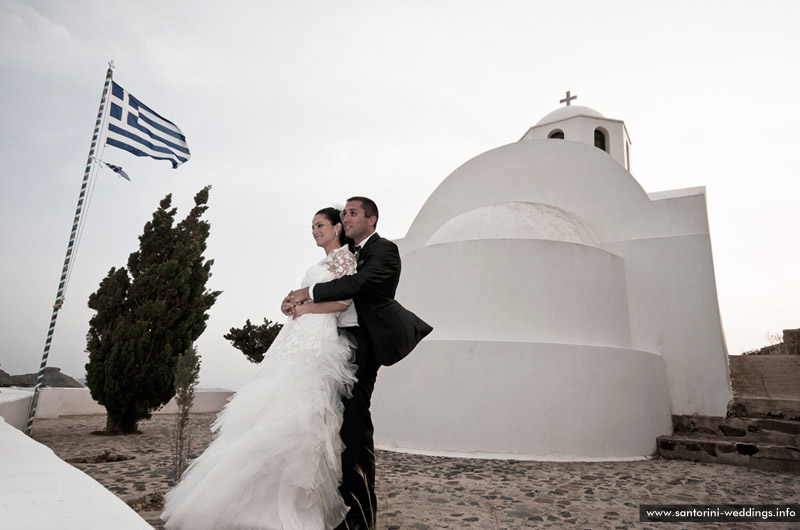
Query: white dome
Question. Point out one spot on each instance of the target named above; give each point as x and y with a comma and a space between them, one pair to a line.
563, 113
516, 220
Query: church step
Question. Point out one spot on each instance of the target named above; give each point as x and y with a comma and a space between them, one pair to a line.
756, 407
697, 448
757, 430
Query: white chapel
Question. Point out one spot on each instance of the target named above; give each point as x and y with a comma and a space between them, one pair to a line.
573, 312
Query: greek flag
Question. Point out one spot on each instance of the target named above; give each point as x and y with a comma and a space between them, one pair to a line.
134, 127
116, 169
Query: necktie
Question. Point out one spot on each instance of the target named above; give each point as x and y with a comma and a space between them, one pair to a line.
356, 252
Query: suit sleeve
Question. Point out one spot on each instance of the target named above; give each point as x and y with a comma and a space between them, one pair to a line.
382, 264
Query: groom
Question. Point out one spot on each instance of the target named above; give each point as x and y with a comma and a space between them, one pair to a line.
386, 333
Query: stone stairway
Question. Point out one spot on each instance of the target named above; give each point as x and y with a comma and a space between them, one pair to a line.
763, 443
762, 429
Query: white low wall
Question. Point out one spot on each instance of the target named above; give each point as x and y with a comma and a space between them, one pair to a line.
56, 402
14, 406
39, 491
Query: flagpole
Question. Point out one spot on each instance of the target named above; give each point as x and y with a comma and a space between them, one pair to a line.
70, 248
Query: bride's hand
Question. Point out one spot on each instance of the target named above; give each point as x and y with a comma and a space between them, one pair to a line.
287, 305
301, 309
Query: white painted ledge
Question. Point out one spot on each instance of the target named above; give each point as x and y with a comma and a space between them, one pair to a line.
39, 491
14, 406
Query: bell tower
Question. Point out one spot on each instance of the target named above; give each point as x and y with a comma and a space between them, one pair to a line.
585, 125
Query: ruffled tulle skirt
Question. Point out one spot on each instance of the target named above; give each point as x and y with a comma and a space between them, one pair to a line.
275, 461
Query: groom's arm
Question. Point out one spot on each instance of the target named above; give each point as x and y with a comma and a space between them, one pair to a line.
382, 264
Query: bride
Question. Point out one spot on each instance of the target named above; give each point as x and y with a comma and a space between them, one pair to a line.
275, 461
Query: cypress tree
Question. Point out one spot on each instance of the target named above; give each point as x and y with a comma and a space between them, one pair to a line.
149, 314
254, 341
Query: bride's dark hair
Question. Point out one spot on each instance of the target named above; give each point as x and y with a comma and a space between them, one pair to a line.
335, 217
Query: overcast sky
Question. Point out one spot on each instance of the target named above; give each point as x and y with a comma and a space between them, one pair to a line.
292, 106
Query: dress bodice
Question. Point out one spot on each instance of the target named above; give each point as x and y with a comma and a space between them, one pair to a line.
316, 274
338, 263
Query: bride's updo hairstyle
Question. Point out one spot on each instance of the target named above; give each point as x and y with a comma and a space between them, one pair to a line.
335, 217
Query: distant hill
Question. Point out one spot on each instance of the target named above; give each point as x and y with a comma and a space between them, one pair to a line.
52, 377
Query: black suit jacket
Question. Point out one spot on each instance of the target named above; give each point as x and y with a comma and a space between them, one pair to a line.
393, 330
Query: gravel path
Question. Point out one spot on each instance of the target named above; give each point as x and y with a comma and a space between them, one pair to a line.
423, 492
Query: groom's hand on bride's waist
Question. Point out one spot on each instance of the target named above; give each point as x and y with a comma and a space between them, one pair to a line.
292, 299
287, 304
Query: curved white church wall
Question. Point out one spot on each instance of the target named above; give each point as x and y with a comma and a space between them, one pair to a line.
572, 176
523, 400
518, 290
573, 312
672, 298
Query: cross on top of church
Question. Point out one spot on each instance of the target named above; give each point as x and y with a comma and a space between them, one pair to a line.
568, 99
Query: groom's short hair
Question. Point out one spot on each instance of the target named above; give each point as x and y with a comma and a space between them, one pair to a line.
369, 206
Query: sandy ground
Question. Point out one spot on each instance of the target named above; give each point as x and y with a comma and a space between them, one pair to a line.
422, 492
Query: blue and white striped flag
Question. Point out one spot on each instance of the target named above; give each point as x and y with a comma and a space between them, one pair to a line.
116, 169
134, 127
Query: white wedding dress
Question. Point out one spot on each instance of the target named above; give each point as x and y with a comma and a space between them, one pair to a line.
275, 461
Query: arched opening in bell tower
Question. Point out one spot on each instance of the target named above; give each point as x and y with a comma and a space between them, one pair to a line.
601, 139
